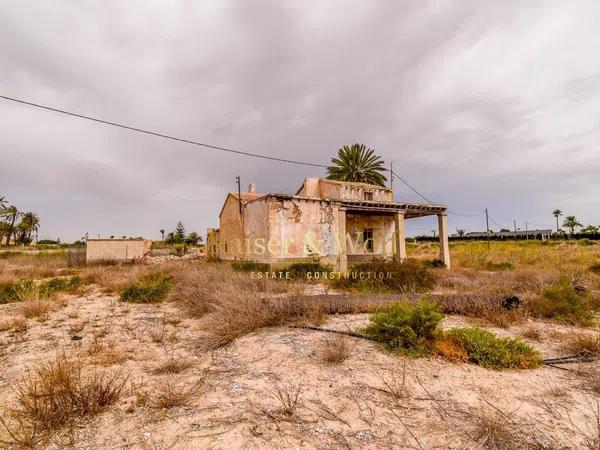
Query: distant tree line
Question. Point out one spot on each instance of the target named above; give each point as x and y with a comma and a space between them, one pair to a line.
17, 227
179, 236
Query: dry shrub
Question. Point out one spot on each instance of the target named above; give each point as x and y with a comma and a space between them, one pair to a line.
106, 354
171, 394
592, 437
114, 278
172, 366
449, 349
494, 429
335, 350
532, 332
16, 324
582, 343
287, 398
157, 334
487, 307
36, 308
56, 393
395, 383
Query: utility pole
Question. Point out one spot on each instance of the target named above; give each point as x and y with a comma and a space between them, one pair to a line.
237, 180
515, 226
526, 232
487, 226
391, 175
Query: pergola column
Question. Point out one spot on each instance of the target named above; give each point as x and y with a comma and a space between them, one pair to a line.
400, 236
443, 233
343, 257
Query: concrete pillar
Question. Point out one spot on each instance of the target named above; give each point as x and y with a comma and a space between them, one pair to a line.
443, 233
343, 257
399, 236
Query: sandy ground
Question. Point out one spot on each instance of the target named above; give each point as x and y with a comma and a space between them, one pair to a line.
233, 401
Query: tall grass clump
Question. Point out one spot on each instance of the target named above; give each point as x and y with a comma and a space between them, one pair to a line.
487, 350
563, 303
27, 289
57, 393
387, 276
411, 328
150, 288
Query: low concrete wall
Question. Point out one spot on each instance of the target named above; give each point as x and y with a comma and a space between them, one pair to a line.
116, 250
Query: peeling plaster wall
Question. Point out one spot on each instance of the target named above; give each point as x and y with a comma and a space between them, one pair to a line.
305, 227
338, 191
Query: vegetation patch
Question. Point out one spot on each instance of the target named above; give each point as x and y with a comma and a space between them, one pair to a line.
595, 268
150, 288
249, 266
407, 327
490, 265
302, 269
563, 303
388, 276
487, 350
27, 289
55, 394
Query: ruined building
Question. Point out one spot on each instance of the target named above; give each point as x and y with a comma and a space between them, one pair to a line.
340, 223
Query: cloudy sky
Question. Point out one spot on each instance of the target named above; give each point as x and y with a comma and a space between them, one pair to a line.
477, 104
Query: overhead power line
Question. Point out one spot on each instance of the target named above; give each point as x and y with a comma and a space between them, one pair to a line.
162, 135
209, 146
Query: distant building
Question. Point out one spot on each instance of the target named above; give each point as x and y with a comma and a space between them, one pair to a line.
339, 222
116, 250
531, 234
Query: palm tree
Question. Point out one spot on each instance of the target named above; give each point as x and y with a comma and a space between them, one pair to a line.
357, 163
571, 223
162, 234
556, 213
11, 213
3, 203
591, 229
30, 222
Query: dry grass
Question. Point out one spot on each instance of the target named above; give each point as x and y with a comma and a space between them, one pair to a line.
32, 265
533, 333
172, 366
287, 398
494, 429
16, 324
592, 437
487, 307
171, 394
114, 278
582, 343
335, 350
36, 308
56, 393
395, 383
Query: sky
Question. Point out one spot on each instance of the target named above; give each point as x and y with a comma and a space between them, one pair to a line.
478, 104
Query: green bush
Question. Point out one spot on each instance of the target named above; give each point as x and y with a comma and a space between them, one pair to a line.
249, 266
434, 263
408, 327
595, 268
562, 302
487, 350
490, 265
388, 276
17, 291
301, 269
151, 288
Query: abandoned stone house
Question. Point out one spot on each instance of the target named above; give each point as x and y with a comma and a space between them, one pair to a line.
340, 223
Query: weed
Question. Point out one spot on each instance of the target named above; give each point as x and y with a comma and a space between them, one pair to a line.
595, 268
387, 276
494, 429
249, 266
582, 344
150, 288
55, 393
490, 351
16, 324
172, 366
288, 398
157, 334
172, 394
563, 303
532, 332
36, 308
490, 265
335, 350
302, 269
412, 328
395, 383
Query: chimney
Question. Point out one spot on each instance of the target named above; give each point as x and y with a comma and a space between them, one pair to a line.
252, 188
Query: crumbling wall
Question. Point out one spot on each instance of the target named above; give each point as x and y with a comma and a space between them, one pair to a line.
383, 233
